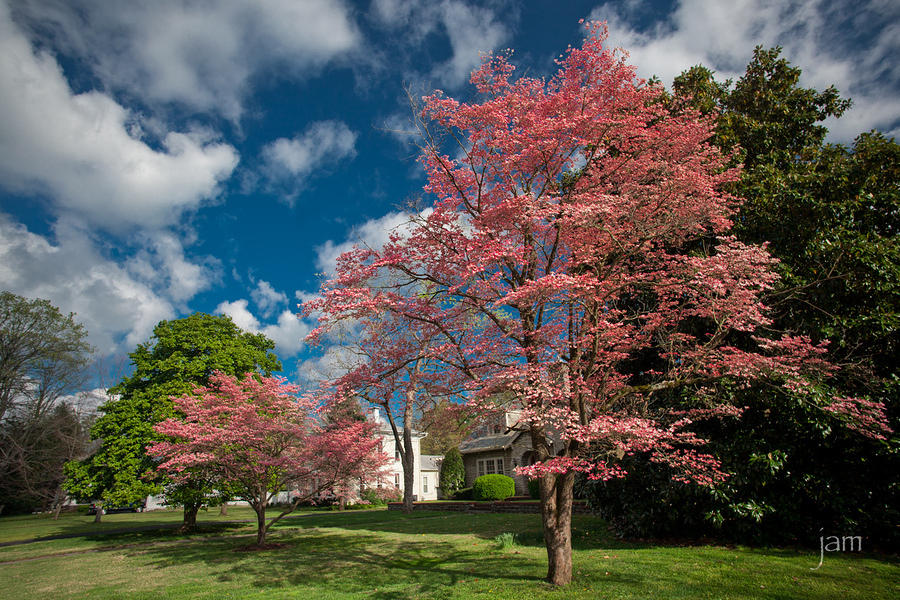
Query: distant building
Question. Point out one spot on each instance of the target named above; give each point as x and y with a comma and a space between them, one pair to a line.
498, 446
426, 474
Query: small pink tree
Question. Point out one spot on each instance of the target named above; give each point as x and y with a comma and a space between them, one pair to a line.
578, 256
257, 437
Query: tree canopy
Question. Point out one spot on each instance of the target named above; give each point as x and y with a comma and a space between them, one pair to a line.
181, 354
579, 256
257, 437
829, 213
43, 353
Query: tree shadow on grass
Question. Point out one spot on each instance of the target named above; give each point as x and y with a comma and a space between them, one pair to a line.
351, 562
588, 531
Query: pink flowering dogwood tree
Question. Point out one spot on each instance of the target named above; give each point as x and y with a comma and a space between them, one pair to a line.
578, 258
258, 438
394, 369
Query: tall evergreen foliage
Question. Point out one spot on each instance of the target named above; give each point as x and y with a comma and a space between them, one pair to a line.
453, 472
830, 214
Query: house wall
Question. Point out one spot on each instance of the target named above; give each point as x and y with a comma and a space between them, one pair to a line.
520, 452
394, 468
470, 462
433, 478
517, 455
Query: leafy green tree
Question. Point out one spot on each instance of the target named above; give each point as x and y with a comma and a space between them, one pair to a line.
182, 353
43, 354
453, 472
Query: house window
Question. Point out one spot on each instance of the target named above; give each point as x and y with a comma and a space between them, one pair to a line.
489, 466
397, 480
425, 484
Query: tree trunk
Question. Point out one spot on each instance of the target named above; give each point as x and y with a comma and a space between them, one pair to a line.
556, 513
99, 514
260, 522
342, 502
223, 509
190, 517
408, 457
58, 498
556, 518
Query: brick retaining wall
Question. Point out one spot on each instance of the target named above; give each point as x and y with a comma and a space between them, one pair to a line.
579, 506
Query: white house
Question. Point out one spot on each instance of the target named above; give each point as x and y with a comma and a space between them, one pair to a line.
426, 468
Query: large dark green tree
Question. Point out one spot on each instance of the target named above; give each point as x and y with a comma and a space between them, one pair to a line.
830, 214
181, 354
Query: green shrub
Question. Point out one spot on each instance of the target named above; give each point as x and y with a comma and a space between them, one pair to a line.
463, 494
493, 487
534, 488
453, 473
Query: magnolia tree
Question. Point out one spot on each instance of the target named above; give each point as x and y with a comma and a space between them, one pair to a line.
257, 437
578, 258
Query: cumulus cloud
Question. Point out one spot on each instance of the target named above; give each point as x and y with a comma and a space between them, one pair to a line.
471, 30
335, 355
267, 298
85, 152
162, 264
722, 35
112, 302
373, 233
192, 52
288, 161
288, 331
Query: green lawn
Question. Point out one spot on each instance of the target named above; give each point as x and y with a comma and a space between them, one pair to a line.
381, 554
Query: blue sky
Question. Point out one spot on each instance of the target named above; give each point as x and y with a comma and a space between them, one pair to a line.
163, 157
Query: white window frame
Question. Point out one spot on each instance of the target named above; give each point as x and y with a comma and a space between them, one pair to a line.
490, 466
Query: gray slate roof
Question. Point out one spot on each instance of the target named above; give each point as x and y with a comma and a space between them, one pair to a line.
489, 442
430, 462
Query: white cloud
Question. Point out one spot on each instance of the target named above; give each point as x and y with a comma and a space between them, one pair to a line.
240, 314
471, 31
288, 332
84, 149
111, 302
86, 402
162, 265
335, 356
267, 298
290, 160
201, 54
373, 233
816, 36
